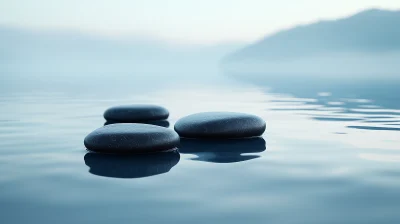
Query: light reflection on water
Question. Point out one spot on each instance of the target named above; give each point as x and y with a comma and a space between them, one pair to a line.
323, 159
373, 118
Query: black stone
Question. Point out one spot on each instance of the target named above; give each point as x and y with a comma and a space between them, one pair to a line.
161, 123
131, 138
131, 166
223, 151
220, 125
136, 113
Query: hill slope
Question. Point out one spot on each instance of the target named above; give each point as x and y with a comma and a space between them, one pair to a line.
371, 31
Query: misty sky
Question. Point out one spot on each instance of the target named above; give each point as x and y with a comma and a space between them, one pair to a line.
181, 21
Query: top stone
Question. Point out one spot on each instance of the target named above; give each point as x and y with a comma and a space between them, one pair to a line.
220, 125
136, 113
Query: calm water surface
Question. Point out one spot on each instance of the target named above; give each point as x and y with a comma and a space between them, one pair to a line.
326, 157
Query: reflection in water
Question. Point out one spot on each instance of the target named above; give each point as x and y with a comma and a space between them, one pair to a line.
328, 99
336, 119
131, 166
161, 123
375, 128
334, 92
383, 121
222, 151
351, 175
391, 124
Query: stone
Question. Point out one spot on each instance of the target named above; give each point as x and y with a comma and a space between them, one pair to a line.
131, 138
138, 113
161, 123
220, 125
223, 151
131, 166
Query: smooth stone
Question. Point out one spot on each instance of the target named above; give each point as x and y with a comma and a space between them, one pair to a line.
131, 138
223, 151
131, 166
161, 123
136, 113
220, 125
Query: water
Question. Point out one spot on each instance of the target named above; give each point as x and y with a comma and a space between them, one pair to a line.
328, 156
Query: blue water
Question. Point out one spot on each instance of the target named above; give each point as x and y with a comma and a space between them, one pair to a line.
328, 155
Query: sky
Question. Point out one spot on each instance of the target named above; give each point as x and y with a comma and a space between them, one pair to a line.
179, 21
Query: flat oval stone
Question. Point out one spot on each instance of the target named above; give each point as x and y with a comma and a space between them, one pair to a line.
136, 113
220, 125
131, 138
161, 123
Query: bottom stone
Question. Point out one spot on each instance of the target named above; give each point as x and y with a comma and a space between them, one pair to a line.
131, 138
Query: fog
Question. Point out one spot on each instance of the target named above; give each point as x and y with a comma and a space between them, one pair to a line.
362, 47
344, 66
44, 59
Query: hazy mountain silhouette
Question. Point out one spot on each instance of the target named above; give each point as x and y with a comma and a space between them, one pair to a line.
365, 43
368, 31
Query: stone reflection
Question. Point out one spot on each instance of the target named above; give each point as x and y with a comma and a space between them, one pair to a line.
131, 166
223, 151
